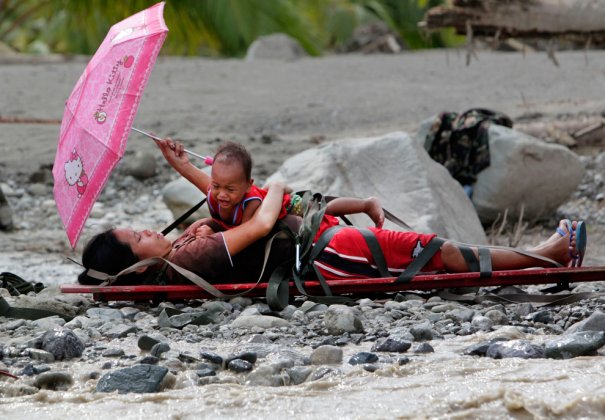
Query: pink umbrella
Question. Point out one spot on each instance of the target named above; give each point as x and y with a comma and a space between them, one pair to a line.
99, 114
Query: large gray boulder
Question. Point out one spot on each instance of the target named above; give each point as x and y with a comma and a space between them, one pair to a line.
180, 195
524, 172
395, 169
527, 173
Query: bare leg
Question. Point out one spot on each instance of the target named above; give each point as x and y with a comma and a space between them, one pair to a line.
557, 248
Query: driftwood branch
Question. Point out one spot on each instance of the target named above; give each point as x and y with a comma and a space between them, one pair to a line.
577, 20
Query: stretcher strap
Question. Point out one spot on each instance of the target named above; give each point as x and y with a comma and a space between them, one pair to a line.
183, 217
469, 257
421, 260
485, 262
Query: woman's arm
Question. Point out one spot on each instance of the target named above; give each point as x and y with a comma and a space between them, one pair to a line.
242, 236
177, 158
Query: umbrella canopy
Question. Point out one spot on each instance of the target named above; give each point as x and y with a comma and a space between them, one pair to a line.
99, 114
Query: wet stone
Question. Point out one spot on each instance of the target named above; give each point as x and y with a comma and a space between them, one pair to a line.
545, 317
113, 352
595, 322
40, 355
362, 358
146, 342
322, 372
205, 372
391, 345
54, 381
62, 343
515, 348
480, 349
573, 345
212, 357
159, 348
424, 348
120, 331
298, 374
326, 355
239, 365
149, 360
248, 356
370, 367
422, 332
105, 313
264, 376
13, 324
482, 323
138, 379
403, 361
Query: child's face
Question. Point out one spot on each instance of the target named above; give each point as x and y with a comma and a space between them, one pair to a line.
229, 184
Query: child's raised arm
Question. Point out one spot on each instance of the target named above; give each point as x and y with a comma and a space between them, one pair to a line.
175, 155
371, 206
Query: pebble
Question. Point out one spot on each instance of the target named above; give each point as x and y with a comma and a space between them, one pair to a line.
362, 358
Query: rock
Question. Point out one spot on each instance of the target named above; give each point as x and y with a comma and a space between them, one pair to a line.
424, 348
142, 378
391, 345
264, 376
419, 189
524, 172
259, 321
61, 309
146, 342
53, 380
212, 357
158, 349
299, 374
326, 355
340, 319
239, 365
114, 352
6, 213
201, 373
41, 355
276, 47
422, 332
573, 345
514, 348
118, 331
362, 358
460, 314
248, 356
107, 314
497, 317
62, 343
180, 195
141, 166
482, 323
595, 322
49, 322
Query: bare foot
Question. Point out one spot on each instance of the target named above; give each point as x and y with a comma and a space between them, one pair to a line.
557, 247
375, 211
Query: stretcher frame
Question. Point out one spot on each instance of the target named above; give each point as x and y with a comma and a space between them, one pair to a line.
560, 276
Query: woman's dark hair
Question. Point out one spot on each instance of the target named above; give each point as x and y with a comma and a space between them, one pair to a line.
106, 254
229, 152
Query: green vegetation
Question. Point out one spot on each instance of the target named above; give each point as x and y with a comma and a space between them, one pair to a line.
210, 27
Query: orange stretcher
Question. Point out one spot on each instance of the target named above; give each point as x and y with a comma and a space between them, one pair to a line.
560, 276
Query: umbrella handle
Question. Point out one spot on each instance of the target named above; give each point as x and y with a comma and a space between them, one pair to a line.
208, 160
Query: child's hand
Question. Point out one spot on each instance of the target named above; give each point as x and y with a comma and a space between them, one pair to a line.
374, 210
203, 230
173, 152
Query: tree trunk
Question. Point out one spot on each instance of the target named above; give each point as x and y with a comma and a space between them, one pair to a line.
575, 19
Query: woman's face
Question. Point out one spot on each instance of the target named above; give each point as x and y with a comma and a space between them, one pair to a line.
144, 243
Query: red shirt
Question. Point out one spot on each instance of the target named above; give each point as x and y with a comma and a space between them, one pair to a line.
255, 193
